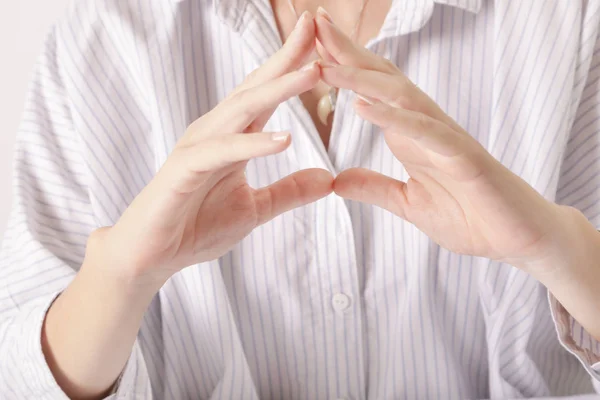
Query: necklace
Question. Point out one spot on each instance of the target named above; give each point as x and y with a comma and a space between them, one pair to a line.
327, 102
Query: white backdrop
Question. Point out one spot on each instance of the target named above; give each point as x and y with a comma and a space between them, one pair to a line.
23, 25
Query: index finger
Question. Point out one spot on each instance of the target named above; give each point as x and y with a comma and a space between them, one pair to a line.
344, 50
291, 56
395, 90
238, 112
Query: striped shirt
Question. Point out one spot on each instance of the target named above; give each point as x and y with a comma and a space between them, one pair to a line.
335, 299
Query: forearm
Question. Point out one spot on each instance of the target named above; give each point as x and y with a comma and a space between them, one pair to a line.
571, 270
90, 329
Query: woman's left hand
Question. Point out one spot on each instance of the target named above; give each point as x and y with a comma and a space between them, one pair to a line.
457, 194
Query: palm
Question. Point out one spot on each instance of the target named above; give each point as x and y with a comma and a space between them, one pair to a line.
463, 199
464, 216
226, 215
184, 228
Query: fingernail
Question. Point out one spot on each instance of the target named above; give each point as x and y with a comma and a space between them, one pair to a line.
280, 136
365, 99
301, 20
321, 11
308, 66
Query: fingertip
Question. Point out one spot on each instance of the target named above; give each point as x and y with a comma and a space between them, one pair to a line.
313, 71
304, 30
340, 183
324, 176
321, 24
320, 177
321, 12
309, 21
324, 180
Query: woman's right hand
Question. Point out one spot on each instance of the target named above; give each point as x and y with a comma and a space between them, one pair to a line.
199, 205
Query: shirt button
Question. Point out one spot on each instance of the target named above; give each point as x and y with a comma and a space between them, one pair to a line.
340, 302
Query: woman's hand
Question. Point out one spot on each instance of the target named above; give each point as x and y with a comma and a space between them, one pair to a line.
457, 194
199, 205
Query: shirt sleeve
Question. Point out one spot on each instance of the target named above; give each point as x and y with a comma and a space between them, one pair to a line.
579, 184
44, 244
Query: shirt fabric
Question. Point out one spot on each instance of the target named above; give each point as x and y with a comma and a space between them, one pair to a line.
336, 299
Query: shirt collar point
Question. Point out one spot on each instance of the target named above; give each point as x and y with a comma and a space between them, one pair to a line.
473, 6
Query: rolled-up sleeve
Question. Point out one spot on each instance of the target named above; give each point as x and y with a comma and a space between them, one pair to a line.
579, 183
44, 244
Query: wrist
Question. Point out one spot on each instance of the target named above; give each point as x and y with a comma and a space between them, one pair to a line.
90, 329
571, 253
570, 269
104, 262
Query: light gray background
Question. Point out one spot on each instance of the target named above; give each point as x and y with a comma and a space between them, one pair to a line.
23, 26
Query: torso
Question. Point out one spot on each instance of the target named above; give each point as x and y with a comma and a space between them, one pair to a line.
260, 322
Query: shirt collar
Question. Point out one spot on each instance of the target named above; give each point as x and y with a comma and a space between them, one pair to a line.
473, 6
231, 12
469, 5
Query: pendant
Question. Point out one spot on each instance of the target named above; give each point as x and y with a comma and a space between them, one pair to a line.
326, 105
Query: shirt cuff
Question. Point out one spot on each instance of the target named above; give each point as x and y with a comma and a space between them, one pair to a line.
576, 340
132, 384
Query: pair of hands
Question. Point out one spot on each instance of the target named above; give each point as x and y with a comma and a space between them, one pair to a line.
200, 205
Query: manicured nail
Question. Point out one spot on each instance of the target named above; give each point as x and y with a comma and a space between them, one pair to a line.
280, 136
308, 66
321, 11
301, 20
365, 99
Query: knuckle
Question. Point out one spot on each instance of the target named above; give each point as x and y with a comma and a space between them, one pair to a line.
389, 113
388, 65
402, 101
404, 94
241, 96
251, 76
179, 160
423, 122
243, 104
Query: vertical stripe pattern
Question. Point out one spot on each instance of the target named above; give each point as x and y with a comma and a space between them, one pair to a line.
335, 299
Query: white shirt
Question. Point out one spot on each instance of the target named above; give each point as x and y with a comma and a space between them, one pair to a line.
336, 299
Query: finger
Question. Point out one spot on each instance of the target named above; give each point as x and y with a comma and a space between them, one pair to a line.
189, 167
238, 112
294, 191
292, 55
324, 54
344, 50
395, 90
249, 104
456, 155
428, 132
371, 187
